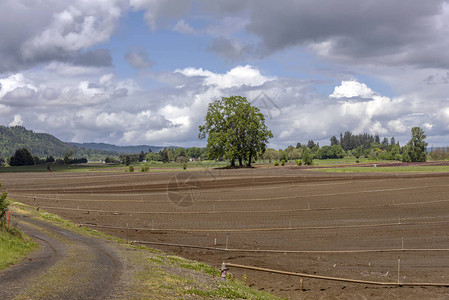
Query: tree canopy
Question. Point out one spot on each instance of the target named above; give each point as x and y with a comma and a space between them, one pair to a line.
415, 151
22, 157
334, 151
235, 130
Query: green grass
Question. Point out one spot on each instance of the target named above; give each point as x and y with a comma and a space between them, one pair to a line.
324, 162
59, 168
231, 290
98, 167
192, 265
190, 165
387, 169
27, 209
202, 165
13, 247
343, 161
186, 284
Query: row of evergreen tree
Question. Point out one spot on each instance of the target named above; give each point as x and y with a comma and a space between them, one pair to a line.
349, 141
368, 145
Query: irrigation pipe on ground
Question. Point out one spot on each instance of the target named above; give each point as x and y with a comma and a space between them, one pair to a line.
338, 278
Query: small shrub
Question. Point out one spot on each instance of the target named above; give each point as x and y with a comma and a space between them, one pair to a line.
282, 162
181, 159
299, 162
153, 162
144, 167
109, 160
184, 166
3, 205
131, 168
276, 163
357, 161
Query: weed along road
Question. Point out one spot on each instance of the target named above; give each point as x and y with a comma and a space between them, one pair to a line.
67, 266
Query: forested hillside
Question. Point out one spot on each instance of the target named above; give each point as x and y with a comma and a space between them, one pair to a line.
40, 144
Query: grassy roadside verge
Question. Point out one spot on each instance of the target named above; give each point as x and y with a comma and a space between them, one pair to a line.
154, 274
14, 246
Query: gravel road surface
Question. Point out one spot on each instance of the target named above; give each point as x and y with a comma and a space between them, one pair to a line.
67, 266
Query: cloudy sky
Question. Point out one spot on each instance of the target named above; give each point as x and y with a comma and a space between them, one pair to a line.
143, 71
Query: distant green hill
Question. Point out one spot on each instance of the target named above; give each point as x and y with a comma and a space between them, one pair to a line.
119, 149
41, 144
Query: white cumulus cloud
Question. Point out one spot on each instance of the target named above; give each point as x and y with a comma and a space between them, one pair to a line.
11, 83
238, 76
352, 88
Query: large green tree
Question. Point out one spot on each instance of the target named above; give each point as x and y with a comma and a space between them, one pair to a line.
67, 157
415, 150
306, 156
235, 130
22, 157
334, 151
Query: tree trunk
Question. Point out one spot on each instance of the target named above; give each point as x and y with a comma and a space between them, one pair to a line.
240, 161
249, 160
232, 162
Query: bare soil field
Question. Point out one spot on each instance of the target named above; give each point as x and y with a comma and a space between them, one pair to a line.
353, 226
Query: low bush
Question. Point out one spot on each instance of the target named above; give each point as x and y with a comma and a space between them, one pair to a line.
282, 162
78, 161
276, 163
299, 162
144, 167
3, 207
131, 168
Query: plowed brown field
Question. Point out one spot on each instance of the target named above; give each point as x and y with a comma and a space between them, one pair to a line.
280, 209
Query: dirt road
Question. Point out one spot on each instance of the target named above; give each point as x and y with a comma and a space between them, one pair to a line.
67, 266
74, 263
